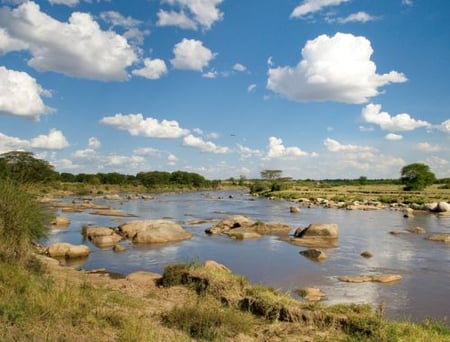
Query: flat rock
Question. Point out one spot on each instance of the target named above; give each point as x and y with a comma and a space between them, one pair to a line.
231, 222
310, 293
107, 212
242, 234
442, 237
154, 231
381, 278
143, 278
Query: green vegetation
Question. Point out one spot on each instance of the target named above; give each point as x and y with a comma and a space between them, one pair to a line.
22, 221
417, 176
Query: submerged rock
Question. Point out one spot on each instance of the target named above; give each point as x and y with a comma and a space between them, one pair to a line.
417, 230
442, 237
381, 278
314, 254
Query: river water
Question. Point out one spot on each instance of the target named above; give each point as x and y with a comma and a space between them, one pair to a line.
424, 291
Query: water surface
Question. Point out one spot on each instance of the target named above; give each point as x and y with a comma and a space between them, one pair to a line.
424, 265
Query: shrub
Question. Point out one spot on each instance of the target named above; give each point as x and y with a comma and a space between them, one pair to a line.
22, 220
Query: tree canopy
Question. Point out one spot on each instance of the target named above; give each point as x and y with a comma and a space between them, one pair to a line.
24, 167
271, 174
417, 176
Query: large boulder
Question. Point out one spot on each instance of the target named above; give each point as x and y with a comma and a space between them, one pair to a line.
67, 250
322, 230
92, 232
232, 222
106, 241
443, 207
60, 222
154, 231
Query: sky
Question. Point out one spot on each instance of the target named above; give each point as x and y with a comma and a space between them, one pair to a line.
319, 89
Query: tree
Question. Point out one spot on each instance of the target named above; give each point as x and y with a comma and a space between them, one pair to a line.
23, 167
271, 174
417, 176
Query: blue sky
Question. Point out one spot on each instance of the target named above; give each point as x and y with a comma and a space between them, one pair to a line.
226, 88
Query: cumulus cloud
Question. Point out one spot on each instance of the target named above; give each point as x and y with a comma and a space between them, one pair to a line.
147, 151
153, 69
247, 152
172, 159
137, 125
392, 136
54, 140
90, 159
311, 6
94, 143
276, 150
372, 113
335, 68
204, 146
190, 54
131, 25
445, 126
335, 146
427, 147
191, 14
210, 74
92, 52
20, 95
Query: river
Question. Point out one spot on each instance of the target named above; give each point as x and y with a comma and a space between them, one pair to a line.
424, 291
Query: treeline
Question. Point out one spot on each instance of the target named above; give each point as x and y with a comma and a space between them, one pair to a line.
23, 167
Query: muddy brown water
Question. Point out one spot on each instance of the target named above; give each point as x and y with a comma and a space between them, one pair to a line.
424, 291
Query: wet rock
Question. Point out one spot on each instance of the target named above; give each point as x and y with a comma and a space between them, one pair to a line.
110, 212
442, 237
119, 248
322, 230
294, 210
93, 231
106, 241
242, 234
67, 250
60, 222
417, 230
310, 293
314, 254
366, 254
381, 278
154, 231
408, 213
232, 222
431, 206
443, 207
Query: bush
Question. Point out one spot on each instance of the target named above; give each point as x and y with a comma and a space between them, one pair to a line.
22, 220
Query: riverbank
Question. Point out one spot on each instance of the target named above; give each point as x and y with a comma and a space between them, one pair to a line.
188, 302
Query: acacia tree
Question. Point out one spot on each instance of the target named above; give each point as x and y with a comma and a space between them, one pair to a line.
271, 174
23, 167
417, 176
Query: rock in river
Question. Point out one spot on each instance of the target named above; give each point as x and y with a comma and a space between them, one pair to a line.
67, 250
154, 231
316, 235
314, 254
380, 278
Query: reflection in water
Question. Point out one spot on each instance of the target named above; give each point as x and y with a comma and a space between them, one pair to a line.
424, 265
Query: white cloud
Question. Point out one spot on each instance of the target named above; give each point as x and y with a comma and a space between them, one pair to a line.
358, 17
54, 140
172, 159
153, 69
312, 6
335, 146
239, 67
276, 150
334, 68
366, 129
445, 126
407, 2
392, 136
20, 94
94, 143
90, 159
147, 151
204, 146
251, 87
427, 147
64, 164
92, 53
247, 152
192, 14
8, 44
210, 74
137, 125
372, 113
69, 3
117, 19
190, 54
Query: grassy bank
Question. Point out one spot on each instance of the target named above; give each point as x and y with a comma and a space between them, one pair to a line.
53, 303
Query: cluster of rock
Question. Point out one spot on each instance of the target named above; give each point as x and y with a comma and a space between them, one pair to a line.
241, 227
434, 207
138, 232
